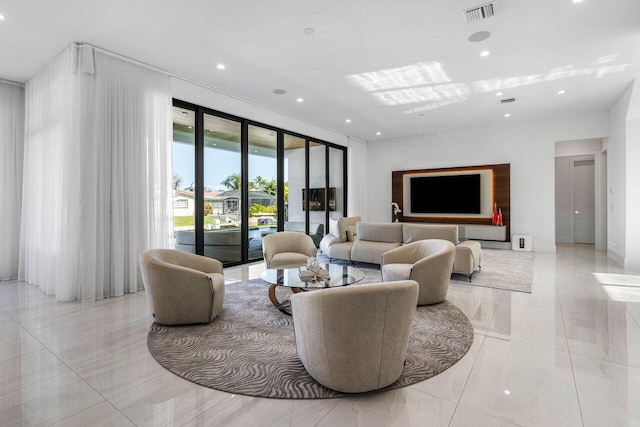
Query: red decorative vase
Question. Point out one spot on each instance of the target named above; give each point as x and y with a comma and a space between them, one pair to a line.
494, 216
500, 217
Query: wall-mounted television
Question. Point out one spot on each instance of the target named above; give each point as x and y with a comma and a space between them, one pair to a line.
446, 194
317, 199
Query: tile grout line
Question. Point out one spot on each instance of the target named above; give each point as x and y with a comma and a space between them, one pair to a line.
566, 338
502, 295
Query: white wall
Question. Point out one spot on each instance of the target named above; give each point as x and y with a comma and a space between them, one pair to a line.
528, 146
580, 147
632, 244
616, 178
196, 94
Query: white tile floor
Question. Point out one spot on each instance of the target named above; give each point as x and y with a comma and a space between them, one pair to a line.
566, 354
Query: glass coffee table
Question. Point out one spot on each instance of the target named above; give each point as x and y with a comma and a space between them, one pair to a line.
340, 275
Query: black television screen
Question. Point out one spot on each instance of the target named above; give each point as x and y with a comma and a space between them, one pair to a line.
446, 194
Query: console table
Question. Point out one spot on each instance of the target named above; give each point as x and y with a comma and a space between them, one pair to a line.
485, 232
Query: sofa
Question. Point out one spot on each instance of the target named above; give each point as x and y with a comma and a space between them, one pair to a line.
371, 239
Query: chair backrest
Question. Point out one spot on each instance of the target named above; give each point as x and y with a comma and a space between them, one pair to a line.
415, 232
354, 339
287, 241
380, 231
426, 248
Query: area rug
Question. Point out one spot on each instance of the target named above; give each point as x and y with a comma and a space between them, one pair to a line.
249, 348
502, 269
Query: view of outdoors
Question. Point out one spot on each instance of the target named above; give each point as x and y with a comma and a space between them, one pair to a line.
222, 189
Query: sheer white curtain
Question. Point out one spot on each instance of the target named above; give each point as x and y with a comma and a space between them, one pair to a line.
97, 174
11, 157
357, 170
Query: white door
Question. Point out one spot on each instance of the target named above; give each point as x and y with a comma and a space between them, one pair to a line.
584, 220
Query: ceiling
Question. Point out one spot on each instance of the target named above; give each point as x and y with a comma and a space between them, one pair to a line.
398, 68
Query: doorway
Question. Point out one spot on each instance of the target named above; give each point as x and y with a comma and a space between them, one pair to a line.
584, 224
580, 198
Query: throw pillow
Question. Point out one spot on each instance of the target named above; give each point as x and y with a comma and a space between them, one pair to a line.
351, 233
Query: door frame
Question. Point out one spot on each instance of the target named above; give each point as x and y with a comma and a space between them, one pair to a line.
572, 160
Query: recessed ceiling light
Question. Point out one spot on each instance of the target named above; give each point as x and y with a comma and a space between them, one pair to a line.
499, 94
279, 91
507, 115
507, 392
348, 120
1, 17
378, 133
309, 30
220, 66
479, 36
299, 99
577, 1
561, 92
485, 53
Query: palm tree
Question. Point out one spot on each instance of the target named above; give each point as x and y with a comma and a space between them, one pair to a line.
176, 181
233, 182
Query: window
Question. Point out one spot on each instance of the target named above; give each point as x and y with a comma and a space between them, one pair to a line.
236, 181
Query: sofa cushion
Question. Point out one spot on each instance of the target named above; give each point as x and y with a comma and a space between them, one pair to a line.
415, 232
343, 223
371, 252
341, 251
380, 232
334, 230
352, 233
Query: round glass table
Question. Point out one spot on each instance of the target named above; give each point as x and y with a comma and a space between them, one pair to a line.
339, 275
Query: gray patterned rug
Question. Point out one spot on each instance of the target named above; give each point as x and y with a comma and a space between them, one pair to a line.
249, 348
501, 269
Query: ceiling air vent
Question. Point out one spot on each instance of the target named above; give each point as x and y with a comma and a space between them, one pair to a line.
479, 13
507, 100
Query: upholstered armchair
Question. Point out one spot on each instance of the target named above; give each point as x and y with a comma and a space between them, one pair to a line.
354, 339
428, 262
182, 288
287, 249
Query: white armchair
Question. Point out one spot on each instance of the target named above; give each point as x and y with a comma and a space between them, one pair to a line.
428, 262
182, 288
354, 339
287, 249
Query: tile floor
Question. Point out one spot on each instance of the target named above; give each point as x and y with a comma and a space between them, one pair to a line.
566, 354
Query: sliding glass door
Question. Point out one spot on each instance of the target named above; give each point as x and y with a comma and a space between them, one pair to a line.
235, 181
263, 187
222, 190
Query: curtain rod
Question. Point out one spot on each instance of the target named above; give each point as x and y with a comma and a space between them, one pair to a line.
204, 86
11, 82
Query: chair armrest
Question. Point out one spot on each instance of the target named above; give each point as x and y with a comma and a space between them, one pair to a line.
180, 294
434, 267
199, 262
401, 255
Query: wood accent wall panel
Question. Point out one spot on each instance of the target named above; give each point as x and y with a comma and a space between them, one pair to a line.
501, 195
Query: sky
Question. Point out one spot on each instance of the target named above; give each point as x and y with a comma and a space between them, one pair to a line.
218, 165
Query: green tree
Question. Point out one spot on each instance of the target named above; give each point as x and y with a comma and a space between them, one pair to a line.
233, 182
177, 180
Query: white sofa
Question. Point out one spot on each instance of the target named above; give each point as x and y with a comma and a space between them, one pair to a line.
374, 239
